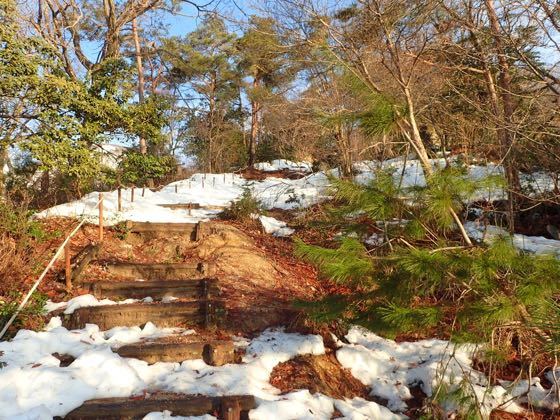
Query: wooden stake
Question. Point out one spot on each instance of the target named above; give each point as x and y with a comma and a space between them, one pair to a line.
214, 181
231, 409
203, 183
175, 188
132, 195
67, 266
100, 217
224, 178
143, 191
119, 199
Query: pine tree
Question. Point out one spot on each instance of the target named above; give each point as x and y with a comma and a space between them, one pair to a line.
421, 277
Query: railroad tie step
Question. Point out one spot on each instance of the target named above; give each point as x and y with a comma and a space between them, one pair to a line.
187, 270
157, 289
193, 231
229, 407
214, 352
205, 313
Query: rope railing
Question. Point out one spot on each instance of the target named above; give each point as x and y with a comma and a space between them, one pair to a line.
58, 253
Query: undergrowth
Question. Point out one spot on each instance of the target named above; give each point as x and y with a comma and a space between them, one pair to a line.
244, 208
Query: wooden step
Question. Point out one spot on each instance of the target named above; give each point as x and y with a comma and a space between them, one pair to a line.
200, 313
158, 289
215, 353
179, 271
181, 206
192, 231
230, 407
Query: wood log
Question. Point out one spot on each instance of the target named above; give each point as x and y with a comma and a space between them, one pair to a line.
214, 353
162, 271
134, 314
179, 405
195, 289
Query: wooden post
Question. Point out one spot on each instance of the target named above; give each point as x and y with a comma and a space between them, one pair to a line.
175, 188
231, 409
143, 191
132, 195
67, 266
203, 183
119, 199
214, 181
100, 217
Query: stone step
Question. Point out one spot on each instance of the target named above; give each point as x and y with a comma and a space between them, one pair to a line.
230, 407
215, 352
157, 289
174, 314
178, 271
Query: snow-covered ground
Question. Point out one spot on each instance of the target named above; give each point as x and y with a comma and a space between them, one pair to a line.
214, 191
34, 386
538, 245
282, 164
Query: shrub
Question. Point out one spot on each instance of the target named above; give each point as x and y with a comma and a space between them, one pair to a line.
243, 208
136, 168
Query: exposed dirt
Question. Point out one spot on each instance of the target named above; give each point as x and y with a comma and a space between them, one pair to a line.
502, 415
255, 174
318, 374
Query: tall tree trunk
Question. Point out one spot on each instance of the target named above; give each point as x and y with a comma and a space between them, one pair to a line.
507, 109
112, 42
255, 108
140, 69
343, 142
3, 162
212, 110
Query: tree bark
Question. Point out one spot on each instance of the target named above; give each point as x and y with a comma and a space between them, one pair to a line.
255, 108
506, 125
140, 70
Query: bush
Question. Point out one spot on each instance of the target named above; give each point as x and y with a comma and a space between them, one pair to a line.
244, 208
32, 313
424, 278
136, 168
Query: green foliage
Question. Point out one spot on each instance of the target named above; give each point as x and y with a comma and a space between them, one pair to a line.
244, 208
15, 221
204, 63
409, 319
57, 116
415, 284
34, 309
137, 168
346, 264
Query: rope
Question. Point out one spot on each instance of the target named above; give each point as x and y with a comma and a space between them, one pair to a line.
42, 276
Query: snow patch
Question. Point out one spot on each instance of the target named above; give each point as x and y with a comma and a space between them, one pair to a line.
276, 227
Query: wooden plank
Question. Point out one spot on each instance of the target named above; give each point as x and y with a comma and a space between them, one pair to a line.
181, 206
162, 271
214, 352
128, 315
140, 227
179, 405
190, 288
